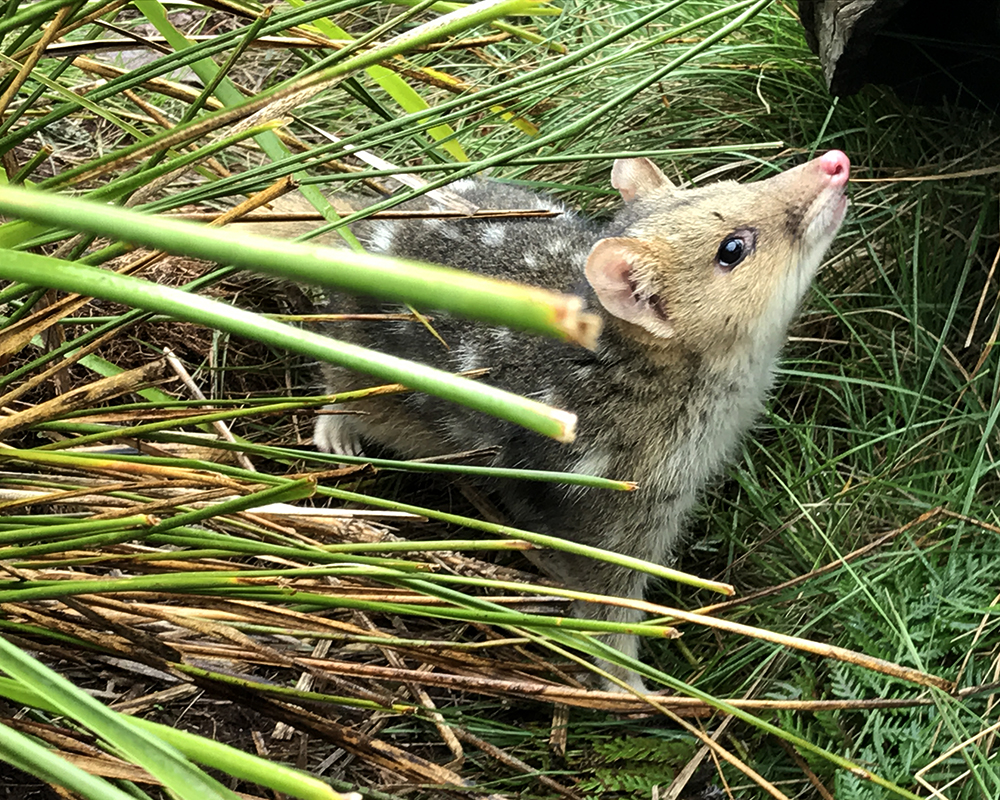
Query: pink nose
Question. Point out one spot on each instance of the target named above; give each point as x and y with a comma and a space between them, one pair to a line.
837, 166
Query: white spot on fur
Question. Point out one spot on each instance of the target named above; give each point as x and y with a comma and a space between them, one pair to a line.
463, 185
556, 246
597, 462
468, 357
492, 234
530, 261
380, 237
548, 397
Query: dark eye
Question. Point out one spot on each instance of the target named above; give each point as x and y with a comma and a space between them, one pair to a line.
735, 248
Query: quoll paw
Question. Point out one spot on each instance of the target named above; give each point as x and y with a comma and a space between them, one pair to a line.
336, 433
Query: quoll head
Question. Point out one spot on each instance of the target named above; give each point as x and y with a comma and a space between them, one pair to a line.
719, 267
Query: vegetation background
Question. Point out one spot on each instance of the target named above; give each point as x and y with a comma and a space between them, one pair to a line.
145, 598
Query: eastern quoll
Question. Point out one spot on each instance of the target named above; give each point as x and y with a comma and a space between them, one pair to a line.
697, 288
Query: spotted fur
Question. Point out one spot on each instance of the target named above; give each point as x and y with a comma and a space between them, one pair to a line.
681, 371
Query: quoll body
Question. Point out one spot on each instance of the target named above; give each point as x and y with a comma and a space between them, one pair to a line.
697, 288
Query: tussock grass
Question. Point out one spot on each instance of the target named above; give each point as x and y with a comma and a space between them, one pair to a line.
338, 614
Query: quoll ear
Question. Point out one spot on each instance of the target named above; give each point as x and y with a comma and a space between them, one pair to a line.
637, 177
612, 271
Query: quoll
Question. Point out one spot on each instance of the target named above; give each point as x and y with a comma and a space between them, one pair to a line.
697, 288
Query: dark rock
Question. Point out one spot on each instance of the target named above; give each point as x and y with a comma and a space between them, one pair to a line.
926, 50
